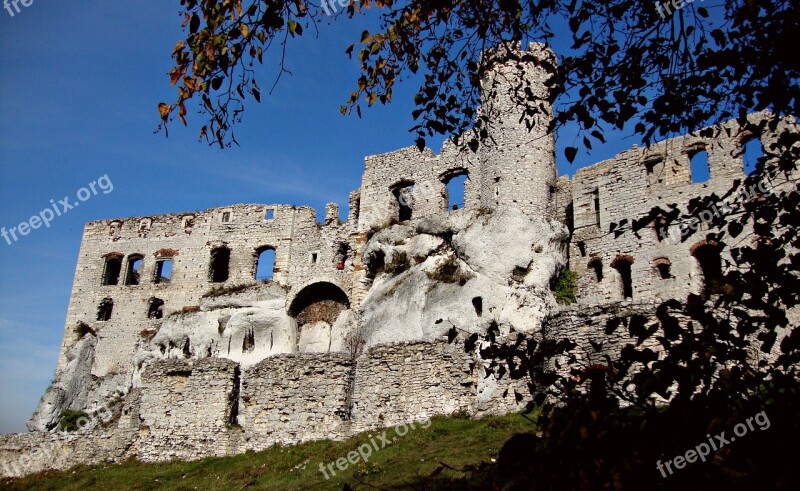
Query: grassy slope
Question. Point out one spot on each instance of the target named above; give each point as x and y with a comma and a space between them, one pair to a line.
406, 464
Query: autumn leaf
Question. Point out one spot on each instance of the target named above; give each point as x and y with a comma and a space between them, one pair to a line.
164, 110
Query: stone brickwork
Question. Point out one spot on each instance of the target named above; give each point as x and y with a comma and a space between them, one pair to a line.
188, 239
212, 361
27, 453
188, 409
399, 383
295, 398
608, 197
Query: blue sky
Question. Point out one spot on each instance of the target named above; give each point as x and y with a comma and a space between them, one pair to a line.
80, 82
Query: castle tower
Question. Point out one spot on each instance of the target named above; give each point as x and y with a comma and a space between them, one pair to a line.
518, 163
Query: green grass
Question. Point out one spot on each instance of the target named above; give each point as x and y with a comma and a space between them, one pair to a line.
406, 464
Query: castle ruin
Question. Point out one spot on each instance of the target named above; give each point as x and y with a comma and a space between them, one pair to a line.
196, 353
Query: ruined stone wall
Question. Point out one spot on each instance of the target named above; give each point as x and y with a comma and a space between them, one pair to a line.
426, 172
289, 399
188, 410
608, 197
590, 327
405, 382
518, 157
28, 453
188, 239
514, 167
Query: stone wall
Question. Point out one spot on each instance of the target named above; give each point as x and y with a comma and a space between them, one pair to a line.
188, 410
28, 453
514, 167
608, 197
406, 382
289, 399
189, 239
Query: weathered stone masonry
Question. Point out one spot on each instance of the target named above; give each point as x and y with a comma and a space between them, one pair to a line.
347, 332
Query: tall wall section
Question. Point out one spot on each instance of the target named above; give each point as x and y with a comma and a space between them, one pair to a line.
604, 200
304, 250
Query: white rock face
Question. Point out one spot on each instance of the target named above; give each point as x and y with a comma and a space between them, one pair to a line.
70, 389
321, 337
467, 269
244, 328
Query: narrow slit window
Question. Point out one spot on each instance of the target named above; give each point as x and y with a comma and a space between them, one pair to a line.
699, 166
596, 205
104, 310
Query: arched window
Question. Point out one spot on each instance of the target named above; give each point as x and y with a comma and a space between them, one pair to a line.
112, 269
155, 308
698, 159
707, 254
218, 270
596, 265
752, 151
455, 183
265, 263
663, 266
318, 302
623, 266
134, 269
104, 310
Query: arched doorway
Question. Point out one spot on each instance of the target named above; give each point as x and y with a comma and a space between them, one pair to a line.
315, 309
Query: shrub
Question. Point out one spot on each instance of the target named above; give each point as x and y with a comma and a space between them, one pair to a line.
565, 286
82, 329
69, 418
398, 264
221, 290
449, 271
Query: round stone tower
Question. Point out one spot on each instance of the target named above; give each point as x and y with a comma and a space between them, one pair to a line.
518, 157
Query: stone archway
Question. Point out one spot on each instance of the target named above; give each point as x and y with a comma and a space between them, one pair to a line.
315, 310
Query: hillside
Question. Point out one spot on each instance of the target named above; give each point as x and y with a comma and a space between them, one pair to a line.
411, 462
